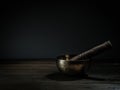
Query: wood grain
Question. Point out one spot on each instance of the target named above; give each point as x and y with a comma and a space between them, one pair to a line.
43, 75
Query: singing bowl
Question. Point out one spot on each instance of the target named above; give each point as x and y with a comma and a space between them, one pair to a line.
77, 67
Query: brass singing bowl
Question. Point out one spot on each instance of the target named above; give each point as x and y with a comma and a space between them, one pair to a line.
77, 67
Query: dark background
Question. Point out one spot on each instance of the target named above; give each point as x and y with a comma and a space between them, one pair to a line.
32, 29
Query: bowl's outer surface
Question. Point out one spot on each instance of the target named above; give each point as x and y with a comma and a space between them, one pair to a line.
71, 67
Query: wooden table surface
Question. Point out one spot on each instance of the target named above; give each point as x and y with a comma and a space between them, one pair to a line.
43, 75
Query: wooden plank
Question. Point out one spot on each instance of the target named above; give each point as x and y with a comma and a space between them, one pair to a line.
43, 75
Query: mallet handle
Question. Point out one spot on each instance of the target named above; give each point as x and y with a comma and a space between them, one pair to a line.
94, 51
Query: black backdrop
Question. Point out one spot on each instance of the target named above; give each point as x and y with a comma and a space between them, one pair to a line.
32, 29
